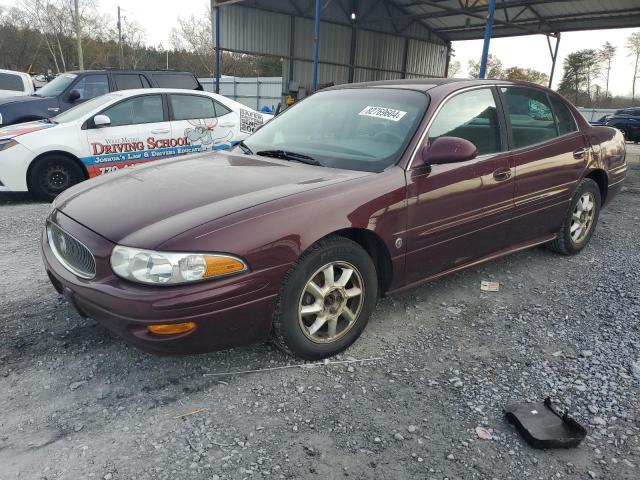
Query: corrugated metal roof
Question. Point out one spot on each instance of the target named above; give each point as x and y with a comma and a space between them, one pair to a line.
449, 20
465, 19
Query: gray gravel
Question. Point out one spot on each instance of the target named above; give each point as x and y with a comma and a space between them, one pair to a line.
76, 402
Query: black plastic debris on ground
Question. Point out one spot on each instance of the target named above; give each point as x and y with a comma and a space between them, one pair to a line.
543, 427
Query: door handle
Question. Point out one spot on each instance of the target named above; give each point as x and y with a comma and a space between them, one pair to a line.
160, 130
579, 153
227, 124
502, 175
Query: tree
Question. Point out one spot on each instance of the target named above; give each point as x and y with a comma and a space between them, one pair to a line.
494, 68
528, 74
454, 68
580, 70
193, 34
592, 66
606, 54
633, 49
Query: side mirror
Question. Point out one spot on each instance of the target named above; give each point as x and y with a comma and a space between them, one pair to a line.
74, 95
448, 150
101, 121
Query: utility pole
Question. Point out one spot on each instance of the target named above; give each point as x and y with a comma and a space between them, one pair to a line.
78, 37
120, 56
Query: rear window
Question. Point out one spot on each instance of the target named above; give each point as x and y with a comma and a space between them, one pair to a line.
191, 107
175, 80
128, 82
11, 82
564, 119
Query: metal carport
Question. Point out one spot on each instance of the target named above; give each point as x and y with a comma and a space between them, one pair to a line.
343, 41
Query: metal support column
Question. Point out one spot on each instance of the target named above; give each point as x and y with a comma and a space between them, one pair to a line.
292, 37
554, 56
215, 22
487, 38
316, 46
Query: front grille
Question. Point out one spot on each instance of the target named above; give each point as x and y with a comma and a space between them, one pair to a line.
71, 253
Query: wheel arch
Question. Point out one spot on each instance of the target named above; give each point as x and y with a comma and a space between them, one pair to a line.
377, 250
51, 153
601, 178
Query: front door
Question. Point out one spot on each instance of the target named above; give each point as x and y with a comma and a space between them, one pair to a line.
550, 154
460, 212
139, 132
88, 87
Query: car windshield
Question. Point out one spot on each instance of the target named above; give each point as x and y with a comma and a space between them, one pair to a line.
365, 129
80, 111
56, 86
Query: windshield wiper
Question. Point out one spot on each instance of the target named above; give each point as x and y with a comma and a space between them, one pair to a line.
291, 156
244, 147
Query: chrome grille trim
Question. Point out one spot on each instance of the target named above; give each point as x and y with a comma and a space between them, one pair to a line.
75, 257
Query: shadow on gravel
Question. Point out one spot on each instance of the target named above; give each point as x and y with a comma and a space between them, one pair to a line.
17, 198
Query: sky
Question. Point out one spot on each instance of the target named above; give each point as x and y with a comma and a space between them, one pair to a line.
157, 17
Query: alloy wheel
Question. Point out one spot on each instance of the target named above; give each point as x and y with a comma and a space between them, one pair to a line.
331, 302
582, 217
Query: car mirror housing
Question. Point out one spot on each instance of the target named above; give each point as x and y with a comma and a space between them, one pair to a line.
74, 95
448, 150
101, 121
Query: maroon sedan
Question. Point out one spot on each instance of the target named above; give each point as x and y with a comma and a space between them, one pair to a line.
355, 192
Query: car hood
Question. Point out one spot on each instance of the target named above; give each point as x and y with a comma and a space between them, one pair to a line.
19, 129
148, 205
24, 99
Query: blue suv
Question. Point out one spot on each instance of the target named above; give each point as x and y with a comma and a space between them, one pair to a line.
72, 88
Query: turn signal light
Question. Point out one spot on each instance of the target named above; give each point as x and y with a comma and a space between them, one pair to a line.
219, 265
172, 328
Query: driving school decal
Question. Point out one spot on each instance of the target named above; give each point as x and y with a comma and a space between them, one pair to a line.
126, 152
249, 121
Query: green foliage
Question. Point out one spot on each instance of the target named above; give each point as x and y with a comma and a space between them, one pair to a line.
528, 74
494, 68
38, 35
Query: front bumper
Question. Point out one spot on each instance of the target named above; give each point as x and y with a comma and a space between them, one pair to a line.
229, 312
14, 163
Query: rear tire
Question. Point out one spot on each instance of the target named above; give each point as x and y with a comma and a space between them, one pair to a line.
325, 300
580, 222
52, 175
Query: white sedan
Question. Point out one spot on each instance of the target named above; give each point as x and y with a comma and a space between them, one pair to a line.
118, 130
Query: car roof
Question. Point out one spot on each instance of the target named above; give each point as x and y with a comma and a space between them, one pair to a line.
117, 70
14, 72
139, 91
425, 84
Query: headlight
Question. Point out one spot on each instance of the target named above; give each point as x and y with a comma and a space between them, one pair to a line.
170, 268
6, 144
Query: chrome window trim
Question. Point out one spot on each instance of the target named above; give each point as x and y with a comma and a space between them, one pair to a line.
475, 87
59, 257
435, 114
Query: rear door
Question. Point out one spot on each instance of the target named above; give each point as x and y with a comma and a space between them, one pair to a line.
550, 155
204, 122
460, 212
139, 132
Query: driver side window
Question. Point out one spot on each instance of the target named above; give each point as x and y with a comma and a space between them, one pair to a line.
470, 115
92, 86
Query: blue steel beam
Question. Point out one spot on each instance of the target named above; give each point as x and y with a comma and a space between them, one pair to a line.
487, 38
316, 46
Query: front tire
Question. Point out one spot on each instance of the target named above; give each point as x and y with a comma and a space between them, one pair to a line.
52, 175
580, 223
325, 300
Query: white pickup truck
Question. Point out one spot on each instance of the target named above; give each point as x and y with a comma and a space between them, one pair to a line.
13, 84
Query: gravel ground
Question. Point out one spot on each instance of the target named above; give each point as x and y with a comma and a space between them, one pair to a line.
76, 402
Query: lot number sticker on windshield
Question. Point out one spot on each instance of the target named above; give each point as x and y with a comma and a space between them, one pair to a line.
383, 112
